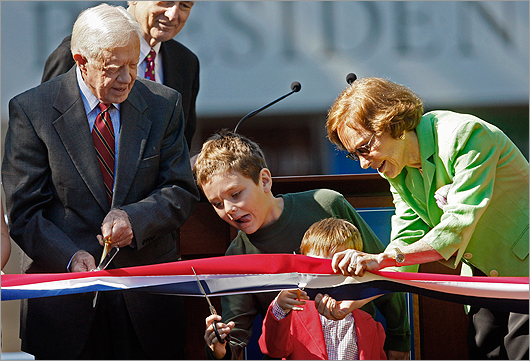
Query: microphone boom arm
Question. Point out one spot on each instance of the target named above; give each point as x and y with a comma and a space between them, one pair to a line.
295, 86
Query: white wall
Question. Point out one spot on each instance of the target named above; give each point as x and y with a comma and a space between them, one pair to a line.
450, 53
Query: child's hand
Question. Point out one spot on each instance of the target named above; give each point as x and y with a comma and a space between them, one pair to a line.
332, 309
291, 300
337, 310
218, 349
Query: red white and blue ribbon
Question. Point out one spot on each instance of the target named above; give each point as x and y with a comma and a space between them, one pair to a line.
272, 272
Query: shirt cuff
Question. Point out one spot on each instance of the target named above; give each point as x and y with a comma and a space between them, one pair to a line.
69, 263
277, 311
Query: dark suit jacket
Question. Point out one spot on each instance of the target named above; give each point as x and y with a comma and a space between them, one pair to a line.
299, 335
56, 203
180, 67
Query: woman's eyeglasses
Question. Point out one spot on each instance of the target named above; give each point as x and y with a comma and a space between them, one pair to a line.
363, 150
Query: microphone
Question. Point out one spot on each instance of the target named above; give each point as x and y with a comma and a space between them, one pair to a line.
350, 78
295, 88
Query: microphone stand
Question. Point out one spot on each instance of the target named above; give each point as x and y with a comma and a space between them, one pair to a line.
295, 87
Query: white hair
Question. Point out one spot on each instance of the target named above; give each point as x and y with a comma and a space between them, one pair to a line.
102, 27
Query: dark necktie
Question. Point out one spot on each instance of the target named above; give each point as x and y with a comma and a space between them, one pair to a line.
150, 68
103, 136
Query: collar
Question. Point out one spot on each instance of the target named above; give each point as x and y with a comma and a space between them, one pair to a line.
145, 48
425, 133
426, 139
89, 99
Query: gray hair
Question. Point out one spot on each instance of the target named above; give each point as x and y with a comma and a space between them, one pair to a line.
102, 27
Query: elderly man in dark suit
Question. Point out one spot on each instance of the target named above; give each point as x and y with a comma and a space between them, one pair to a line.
174, 64
62, 202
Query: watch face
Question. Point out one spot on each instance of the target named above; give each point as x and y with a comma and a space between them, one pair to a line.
400, 257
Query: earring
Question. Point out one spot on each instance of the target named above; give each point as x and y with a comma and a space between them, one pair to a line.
402, 136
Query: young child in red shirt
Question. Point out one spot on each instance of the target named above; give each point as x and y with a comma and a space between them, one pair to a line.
294, 329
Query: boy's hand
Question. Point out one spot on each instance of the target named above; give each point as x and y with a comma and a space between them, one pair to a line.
218, 349
337, 310
292, 300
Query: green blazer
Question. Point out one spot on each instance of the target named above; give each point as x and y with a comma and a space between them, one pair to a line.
484, 222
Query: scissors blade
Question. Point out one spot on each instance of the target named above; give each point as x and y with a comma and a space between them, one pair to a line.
103, 264
106, 249
108, 258
212, 309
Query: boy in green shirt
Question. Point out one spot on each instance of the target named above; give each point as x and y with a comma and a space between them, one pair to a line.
232, 172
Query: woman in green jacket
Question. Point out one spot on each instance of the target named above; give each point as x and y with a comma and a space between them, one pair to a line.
460, 189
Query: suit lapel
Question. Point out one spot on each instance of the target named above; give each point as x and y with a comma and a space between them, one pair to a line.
134, 131
72, 128
170, 65
427, 150
417, 190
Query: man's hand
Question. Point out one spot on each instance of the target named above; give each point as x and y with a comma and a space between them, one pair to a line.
218, 349
82, 261
291, 300
117, 226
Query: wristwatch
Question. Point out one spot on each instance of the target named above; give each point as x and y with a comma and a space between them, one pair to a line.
400, 257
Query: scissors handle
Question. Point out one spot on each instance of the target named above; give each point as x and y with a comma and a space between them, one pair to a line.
218, 335
221, 341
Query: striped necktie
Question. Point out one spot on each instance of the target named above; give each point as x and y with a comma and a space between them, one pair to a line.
150, 68
103, 136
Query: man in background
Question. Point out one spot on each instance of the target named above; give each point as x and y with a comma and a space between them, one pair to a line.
97, 154
174, 64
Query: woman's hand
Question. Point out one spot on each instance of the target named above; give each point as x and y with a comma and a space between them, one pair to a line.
218, 349
354, 263
291, 300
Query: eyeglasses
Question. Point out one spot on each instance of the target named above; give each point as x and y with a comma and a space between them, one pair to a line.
363, 150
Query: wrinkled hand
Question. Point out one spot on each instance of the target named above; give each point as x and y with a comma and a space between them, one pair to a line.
117, 226
398, 355
288, 300
354, 263
218, 349
82, 261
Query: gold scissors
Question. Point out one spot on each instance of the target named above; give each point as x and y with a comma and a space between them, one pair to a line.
107, 256
212, 310
106, 248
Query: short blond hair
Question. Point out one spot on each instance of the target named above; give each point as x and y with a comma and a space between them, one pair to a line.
226, 152
326, 236
378, 105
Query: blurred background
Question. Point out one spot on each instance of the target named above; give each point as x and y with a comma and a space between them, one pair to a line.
470, 57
